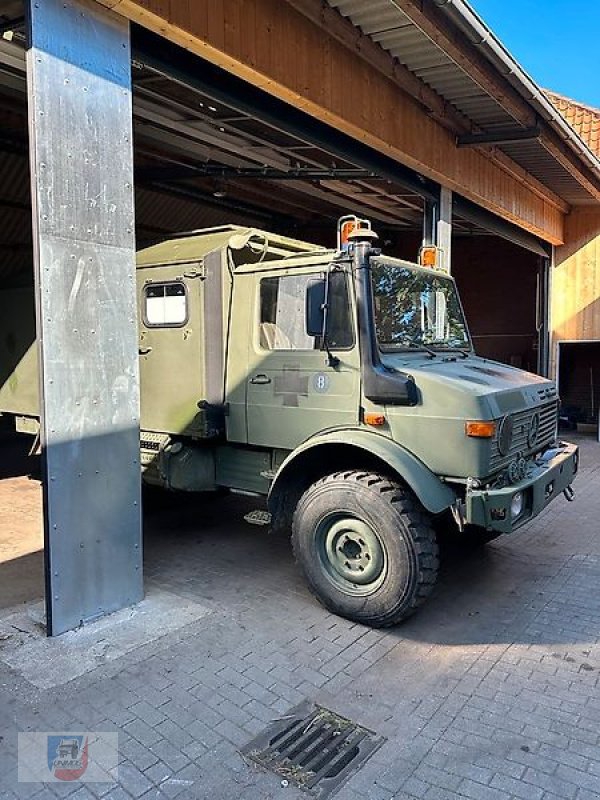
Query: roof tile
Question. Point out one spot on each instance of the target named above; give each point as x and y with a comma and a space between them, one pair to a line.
585, 120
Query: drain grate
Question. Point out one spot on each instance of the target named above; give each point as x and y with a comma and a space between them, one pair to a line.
314, 748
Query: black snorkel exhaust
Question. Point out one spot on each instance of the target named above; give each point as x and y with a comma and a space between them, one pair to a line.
381, 385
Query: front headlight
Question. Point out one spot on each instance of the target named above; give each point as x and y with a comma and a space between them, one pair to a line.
516, 505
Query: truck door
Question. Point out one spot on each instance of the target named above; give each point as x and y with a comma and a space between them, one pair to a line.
292, 392
171, 368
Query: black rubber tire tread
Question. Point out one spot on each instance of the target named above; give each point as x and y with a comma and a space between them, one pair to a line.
388, 502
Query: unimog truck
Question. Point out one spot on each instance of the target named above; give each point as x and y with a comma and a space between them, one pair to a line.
340, 384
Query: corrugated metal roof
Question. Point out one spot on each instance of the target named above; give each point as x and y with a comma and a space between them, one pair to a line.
385, 23
584, 119
543, 166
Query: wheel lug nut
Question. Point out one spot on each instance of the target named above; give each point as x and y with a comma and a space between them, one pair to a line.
360, 541
361, 568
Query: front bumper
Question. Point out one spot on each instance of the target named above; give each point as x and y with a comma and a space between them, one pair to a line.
547, 478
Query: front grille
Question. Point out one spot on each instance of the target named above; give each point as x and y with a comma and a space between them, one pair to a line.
548, 414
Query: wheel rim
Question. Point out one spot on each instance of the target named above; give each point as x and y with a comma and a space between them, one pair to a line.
351, 554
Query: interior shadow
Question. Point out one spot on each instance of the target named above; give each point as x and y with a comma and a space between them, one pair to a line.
15, 460
22, 580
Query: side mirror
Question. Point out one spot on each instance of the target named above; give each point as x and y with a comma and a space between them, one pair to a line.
316, 292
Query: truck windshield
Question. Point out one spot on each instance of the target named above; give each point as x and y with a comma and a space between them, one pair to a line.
416, 308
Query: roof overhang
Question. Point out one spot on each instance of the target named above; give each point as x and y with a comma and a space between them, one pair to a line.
463, 74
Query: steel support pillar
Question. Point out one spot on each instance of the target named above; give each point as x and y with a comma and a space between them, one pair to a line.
444, 228
80, 123
430, 210
543, 316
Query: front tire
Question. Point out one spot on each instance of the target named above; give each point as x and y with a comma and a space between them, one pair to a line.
366, 547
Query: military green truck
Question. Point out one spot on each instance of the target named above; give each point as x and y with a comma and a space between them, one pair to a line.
340, 384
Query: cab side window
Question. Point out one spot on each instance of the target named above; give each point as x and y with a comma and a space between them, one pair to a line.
165, 305
282, 321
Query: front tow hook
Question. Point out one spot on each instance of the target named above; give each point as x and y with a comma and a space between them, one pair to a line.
569, 494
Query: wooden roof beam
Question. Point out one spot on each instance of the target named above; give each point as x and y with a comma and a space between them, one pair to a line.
565, 158
342, 201
299, 82
443, 112
527, 179
353, 38
291, 203
497, 137
426, 16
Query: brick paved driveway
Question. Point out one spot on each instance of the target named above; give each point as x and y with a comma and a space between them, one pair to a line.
490, 692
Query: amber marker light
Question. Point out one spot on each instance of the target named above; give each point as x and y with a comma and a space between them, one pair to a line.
373, 418
482, 430
428, 256
347, 228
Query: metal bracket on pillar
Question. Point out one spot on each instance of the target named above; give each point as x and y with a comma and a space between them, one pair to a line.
444, 228
80, 124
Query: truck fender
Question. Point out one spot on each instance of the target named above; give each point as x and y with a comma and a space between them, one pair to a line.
435, 495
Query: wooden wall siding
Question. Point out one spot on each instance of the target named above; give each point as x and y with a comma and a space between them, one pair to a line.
273, 46
576, 278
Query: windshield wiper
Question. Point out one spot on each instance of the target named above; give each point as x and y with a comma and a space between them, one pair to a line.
417, 346
463, 353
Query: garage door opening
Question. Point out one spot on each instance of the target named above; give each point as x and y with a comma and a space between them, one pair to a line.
578, 368
502, 275
21, 534
498, 282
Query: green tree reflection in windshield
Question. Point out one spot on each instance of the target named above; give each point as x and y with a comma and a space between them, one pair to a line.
415, 307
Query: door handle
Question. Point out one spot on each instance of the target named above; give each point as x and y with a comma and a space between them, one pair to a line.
260, 379
143, 351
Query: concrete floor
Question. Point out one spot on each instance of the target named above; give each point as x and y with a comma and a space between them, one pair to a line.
490, 691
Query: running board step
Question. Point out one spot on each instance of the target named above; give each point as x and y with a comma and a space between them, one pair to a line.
258, 517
